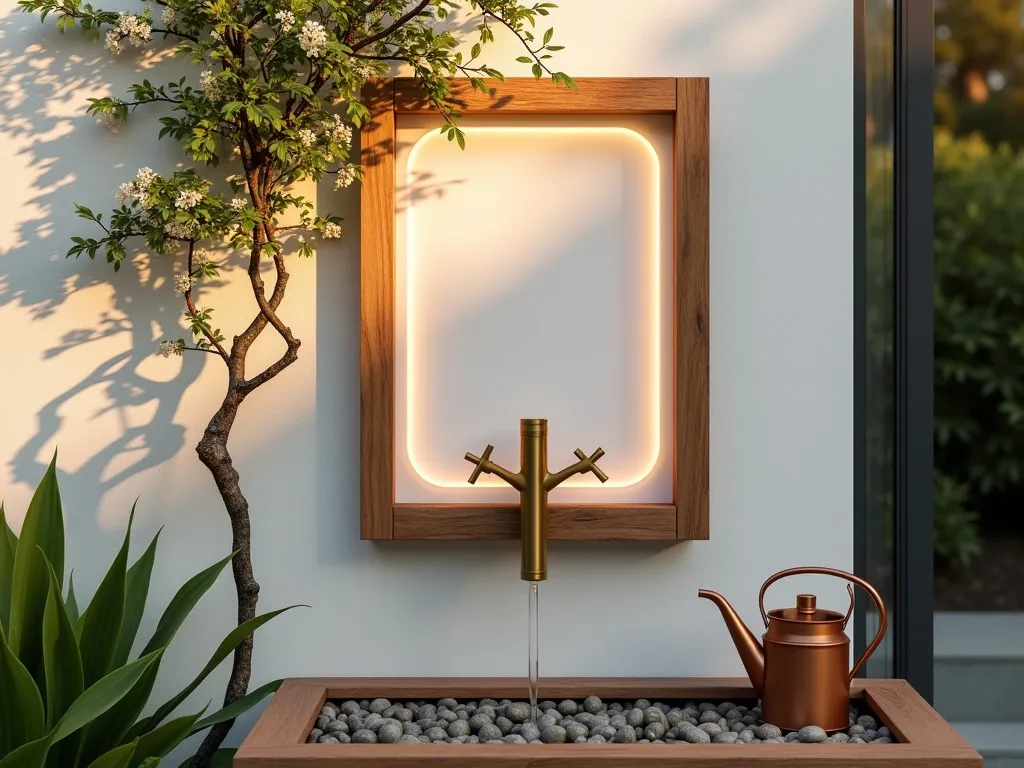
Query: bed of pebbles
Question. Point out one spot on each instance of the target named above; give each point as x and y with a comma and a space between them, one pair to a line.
590, 721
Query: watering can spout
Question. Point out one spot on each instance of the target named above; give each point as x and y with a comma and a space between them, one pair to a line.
750, 650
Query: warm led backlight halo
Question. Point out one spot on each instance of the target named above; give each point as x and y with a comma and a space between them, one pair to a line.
654, 304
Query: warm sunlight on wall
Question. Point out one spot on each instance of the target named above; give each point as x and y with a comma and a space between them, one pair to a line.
531, 282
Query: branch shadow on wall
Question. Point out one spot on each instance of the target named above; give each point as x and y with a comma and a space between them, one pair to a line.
41, 114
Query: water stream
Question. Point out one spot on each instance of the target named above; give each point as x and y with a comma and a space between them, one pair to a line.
534, 649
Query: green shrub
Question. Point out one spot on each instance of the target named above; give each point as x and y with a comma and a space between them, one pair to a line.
979, 339
69, 696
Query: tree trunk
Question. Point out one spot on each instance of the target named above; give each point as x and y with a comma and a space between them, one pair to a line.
213, 452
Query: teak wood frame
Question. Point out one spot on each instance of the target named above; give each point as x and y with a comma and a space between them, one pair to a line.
278, 739
686, 518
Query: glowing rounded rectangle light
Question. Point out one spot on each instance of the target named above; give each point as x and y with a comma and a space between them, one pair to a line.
491, 242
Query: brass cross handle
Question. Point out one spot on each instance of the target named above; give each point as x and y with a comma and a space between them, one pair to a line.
479, 461
591, 465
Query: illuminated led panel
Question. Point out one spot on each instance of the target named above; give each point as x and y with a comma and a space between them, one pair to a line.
531, 278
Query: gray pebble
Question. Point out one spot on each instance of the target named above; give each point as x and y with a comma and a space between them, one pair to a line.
322, 722
477, 721
573, 731
336, 725
330, 709
404, 715
642, 704
707, 706
885, 732
811, 734
604, 730
767, 731
869, 735
517, 728
423, 739
709, 716
597, 739
792, 736
447, 702
635, 717
448, 716
474, 739
725, 738
544, 721
411, 729
856, 740
618, 721
616, 707
364, 736
462, 715
408, 740
490, 711
724, 707
488, 703
855, 730
490, 732
327, 739
655, 715
711, 729
738, 727
437, 733
514, 738
592, 704
545, 705
568, 707
882, 740
674, 717
639, 731
692, 712
530, 731
518, 712
379, 705
505, 725
349, 708
373, 723
625, 735
459, 728
775, 740
868, 722
746, 736
553, 734
838, 738
696, 736
390, 711
750, 720
389, 733
654, 731
426, 712
554, 713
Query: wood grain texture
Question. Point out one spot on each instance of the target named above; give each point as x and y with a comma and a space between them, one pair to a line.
692, 283
289, 716
625, 522
931, 742
528, 96
377, 314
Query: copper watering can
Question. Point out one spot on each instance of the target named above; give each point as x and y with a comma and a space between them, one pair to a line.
802, 672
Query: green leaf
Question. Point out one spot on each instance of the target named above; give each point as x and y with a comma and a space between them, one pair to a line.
237, 707
523, 59
119, 757
31, 755
61, 658
135, 595
21, 708
6, 570
162, 740
222, 758
461, 138
43, 529
101, 622
71, 603
226, 647
537, 71
112, 727
548, 35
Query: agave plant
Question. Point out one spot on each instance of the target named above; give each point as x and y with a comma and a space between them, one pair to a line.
71, 695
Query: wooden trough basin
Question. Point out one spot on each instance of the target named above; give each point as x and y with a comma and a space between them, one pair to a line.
278, 739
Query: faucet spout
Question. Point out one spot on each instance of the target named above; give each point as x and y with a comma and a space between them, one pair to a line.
533, 481
750, 650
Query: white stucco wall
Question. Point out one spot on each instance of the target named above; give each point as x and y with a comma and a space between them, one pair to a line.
78, 372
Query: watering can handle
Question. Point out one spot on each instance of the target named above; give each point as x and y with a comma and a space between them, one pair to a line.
842, 575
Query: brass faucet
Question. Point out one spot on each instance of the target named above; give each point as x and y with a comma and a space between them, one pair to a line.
533, 481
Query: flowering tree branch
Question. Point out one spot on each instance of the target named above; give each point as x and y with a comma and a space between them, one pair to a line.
279, 85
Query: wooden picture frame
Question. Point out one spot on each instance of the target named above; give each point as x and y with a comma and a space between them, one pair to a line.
687, 517
278, 739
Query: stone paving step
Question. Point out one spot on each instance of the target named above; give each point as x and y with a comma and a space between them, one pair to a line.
1001, 744
979, 667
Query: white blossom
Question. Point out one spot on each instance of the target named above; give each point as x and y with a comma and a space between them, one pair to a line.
169, 16
211, 85
346, 175
180, 229
145, 177
183, 282
239, 203
200, 258
126, 192
188, 199
307, 137
331, 231
337, 131
135, 28
313, 38
168, 348
286, 20
113, 41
